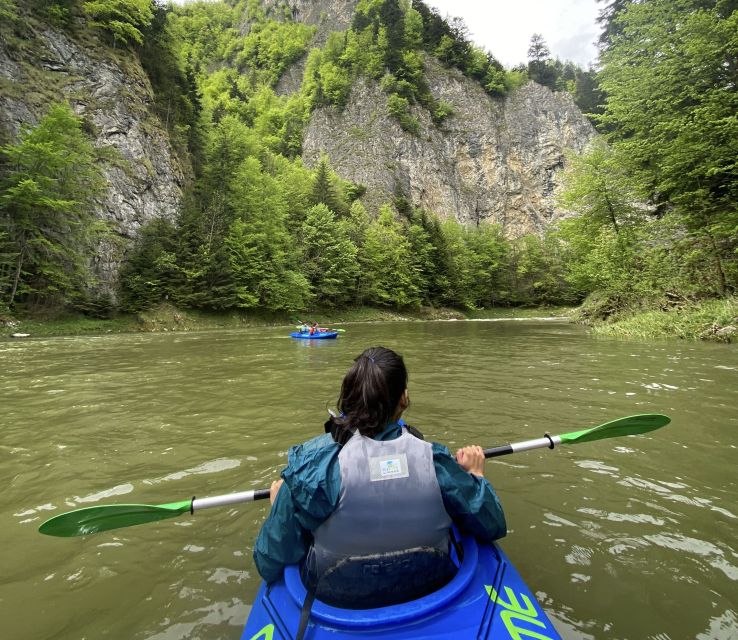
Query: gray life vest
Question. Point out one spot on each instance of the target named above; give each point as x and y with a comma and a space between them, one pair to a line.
390, 522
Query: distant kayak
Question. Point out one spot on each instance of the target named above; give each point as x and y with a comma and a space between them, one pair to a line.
486, 599
318, 335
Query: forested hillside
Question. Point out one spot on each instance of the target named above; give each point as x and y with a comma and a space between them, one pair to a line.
260, 227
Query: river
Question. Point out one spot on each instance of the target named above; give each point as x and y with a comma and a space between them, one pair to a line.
622, 538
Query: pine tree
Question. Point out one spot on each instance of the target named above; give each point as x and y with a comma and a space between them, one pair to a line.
149, 274
324, 189
540, 68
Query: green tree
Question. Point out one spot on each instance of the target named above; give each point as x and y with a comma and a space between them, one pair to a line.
325, 188
176, 96
609, 20
271, 47
539, 274
602, 238
597, 185
458, 265
8, 258
356, 223
670, 77
387, 270
262, 255
124, 19
490, 253
423, 253
587, 93
329, 257
150, 273
47, 196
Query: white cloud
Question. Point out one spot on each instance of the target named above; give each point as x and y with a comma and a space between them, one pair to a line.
504, 27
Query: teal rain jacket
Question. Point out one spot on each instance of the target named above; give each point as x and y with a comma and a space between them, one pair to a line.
312, 483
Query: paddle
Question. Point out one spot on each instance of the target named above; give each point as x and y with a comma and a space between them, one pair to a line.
105, 517
88, 520
300, 326
630, 426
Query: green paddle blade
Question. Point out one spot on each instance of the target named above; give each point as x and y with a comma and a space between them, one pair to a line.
630, 426
102, 518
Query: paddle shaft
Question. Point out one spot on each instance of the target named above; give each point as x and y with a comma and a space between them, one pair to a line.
228, 498
261, 494
537, 443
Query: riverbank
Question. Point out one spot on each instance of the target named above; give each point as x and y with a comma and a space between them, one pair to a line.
711, 320
714, 320
166, 318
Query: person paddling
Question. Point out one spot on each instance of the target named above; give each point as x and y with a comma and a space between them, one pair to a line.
367, 508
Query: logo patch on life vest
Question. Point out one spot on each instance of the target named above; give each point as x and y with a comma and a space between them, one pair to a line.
388, 467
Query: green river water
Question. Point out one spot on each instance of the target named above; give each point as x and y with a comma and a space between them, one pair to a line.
626, 538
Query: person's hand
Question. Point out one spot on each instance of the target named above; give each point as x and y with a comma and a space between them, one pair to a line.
471, 459
274, 490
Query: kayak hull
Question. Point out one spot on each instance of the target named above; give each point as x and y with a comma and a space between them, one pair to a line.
486, 599
321, 335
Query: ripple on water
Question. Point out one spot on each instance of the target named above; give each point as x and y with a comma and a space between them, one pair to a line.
715, 556
226, 614
722, 627
118, 490
595, 466
212, 466
640, 518
581, 556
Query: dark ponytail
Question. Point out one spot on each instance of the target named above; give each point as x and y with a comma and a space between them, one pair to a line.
370, 393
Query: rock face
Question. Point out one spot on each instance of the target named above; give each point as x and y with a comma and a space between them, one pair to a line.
144, 177
326, 15
494, 159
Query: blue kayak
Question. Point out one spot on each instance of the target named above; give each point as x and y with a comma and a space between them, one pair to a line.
318, 335
486, 599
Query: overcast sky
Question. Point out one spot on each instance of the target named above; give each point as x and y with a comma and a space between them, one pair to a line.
504, 27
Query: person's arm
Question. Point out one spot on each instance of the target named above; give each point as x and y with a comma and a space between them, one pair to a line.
306, 498
468, 498
281, 540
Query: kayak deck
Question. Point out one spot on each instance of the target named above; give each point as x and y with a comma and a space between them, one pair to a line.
486, 599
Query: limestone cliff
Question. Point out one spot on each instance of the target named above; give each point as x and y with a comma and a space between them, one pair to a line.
112, 92
493, 159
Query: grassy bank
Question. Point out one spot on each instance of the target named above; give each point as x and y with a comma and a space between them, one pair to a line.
714, 320
169, 318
